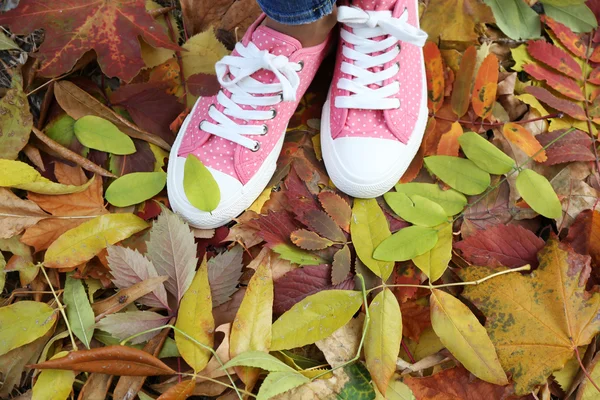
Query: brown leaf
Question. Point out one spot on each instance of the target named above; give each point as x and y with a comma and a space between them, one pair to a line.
96, 387
45, 232
337, 208
78, 103
181, 391
199, 15
16, 214
574, 146
416, 317
584, 235
309, 240
341, 265
324, 225
551, 100
114, 360
205, 85
461, 95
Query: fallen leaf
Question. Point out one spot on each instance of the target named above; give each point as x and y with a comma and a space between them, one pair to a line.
205, 85
515, 18
485, 87
309, 240
101, 134
461, 93
88, 22
454, 20
416, 209
23, 322
551, 100
15, 119
123, 325
54, 384
416, 318
224, 272
539, 194
451, 201
448, 145
562, 84
434, 262
337, 208
524, 140
584, 235
96, 386
79, 311
406, 244
181, 391
574, 146
340, 268
459, 173
324, 225
562, 317
17, 214
114, 360
434, 70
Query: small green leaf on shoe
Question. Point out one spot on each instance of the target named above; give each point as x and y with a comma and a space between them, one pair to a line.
485, 155
200, 187
100, 134
134, 188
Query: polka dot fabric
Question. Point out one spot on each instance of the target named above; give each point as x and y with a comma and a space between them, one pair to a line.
397, 124
228, 157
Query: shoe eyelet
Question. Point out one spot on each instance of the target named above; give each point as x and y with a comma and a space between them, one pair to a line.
274, 112
280, 97
265, 130
256, 147
301, 63
399, 46
200, 124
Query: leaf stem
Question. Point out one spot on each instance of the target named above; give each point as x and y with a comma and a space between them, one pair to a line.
218, 382
212, 351
587, 374
495, 124
60, 307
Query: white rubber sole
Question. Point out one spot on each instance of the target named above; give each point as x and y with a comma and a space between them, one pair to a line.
228, 208
379, 184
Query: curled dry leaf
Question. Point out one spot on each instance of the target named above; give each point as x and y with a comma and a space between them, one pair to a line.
17, 214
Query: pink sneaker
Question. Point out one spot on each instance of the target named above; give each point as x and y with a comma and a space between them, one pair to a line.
238, 134
376, 111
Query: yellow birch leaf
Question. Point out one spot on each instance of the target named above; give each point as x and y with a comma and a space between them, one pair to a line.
541, 316
19, 175
435, 261
83, 242
382, 341
195, 318
462, 334
23, 322
369, 228
251, 329
54, 384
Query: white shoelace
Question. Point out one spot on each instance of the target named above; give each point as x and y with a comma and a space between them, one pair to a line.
367, 25
243, 88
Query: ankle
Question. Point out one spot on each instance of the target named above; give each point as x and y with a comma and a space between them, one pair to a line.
310, 34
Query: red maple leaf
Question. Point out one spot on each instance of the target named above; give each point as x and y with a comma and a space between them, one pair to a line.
72, 27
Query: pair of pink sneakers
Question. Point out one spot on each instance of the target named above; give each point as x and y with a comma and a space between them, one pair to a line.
372, 123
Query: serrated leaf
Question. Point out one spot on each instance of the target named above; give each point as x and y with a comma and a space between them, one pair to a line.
79, 311
15, 119
486, 85
369, 228
406, 244
459, 173
314, 318
451, 201
340, 268
485, 155
196, 320
82, 243
224, 272
172, 250
309, 240
324, 225
251, 328
135, 188
100, 134
579, 18
54, 385
129, 267
462, 334
568, 107
19, 175
416, 209
125, 324
539, 194
461, 93
280, 382
562, 84
554, 57
23, 322
336, 208
296, 255
515, 18
258, 359
434, 262
382, 340
200, 187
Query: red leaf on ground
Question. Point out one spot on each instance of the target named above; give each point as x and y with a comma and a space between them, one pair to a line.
434, 69
205, 85
150, 107
337, 208
508, 245
562, 84
456, 383
574, 146
563, 105
302, 282
566, 36
275, 227
73, 27
299, 198
584, 235
405, 274
595, 76
554, 57
415, 319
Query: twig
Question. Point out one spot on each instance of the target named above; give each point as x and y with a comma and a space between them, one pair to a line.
408, 353
587, 374
493, 124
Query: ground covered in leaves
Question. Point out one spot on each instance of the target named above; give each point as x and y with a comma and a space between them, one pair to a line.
475, 278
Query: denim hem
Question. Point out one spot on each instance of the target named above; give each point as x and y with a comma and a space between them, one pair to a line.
300, 17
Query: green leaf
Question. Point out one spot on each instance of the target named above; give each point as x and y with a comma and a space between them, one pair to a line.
61, 130
369, 228
54, 384
407, 244
451, 201
23, 322
515, 18
539, 194
359, 386
258, 359
100, 134
296, 255
579, 18
398, 390
200, 187
279, 382
314, 318
459, 173
416, 209
435, 261
7, 43
134, 188
382, 341
79, 312
460, 331
484, 154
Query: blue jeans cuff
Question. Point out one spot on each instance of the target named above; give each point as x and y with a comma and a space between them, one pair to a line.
296, 12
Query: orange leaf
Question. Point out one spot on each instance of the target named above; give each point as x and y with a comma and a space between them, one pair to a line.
566, 36
113, 360
434, 69
595, 56
337, 208
449, 145
565, 86
308, 240
523, 139
461, 95
181, 391
413, 169
486, 85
